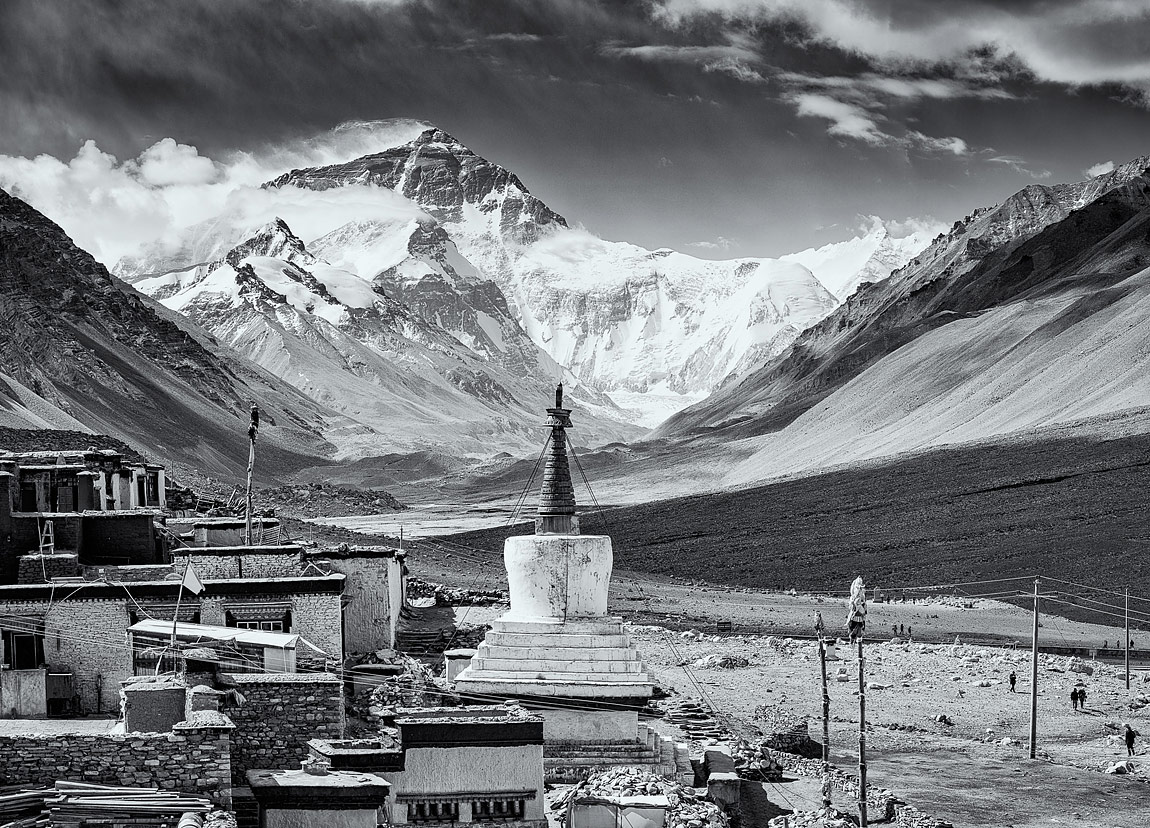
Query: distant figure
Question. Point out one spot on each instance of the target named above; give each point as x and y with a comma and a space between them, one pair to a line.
1013, 679
900, 629
1082, 698
1104, 643
894, 629
1074, 698
908, 632
1131, 734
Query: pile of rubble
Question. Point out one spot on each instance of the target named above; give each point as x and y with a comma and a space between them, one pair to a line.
414, 687
726, 662
687, 808
822, 818
446, 596
326, 500
755, 761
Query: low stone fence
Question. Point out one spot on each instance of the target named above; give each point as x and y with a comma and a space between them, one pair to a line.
280, 714
194, 758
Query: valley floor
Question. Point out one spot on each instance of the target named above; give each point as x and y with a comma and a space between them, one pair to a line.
961, 772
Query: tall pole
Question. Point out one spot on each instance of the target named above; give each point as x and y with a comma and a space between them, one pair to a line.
1034, 677
862, 737
253, 429
826, 714
1127, 638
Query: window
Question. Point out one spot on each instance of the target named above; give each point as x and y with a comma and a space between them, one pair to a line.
425, 812
497, 810
23, 642
266, 626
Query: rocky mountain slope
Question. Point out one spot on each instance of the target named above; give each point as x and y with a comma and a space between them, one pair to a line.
424, 355
79, 349
969, 270
656, 329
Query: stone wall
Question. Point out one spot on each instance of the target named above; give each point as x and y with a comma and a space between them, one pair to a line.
194, 758
132, 574
86, 636
280, 713
368, 619
214, 562
37, 569
317, 618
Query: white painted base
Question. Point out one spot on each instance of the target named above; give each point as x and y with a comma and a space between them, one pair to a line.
589, 725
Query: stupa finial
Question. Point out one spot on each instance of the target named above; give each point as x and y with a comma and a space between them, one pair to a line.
556, 513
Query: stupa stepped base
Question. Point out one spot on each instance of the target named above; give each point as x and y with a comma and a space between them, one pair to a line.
573, 761
578, 660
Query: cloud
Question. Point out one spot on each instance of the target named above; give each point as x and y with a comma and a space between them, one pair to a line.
1018, 164
720, 243
874, 88
113, 208
1070, 42
1099, 169
736, 57
921, 227
846, 119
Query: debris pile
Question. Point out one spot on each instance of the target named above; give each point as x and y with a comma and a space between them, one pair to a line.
446, 596
755, 761
725, 662
822, 818
326, 500
686, 807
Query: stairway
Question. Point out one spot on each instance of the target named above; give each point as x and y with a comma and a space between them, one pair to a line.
573, 761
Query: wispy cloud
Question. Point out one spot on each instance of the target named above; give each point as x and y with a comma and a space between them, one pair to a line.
1099, 169
737, 57
855, 122
720, 243
1020, 166
1070, 42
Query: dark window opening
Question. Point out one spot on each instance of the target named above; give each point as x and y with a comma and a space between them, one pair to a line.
429, 812
497, 810
23, 643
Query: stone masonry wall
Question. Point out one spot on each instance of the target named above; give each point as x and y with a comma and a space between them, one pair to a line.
261, 565
367, 617
318, 618
37, 569
193, 758
280, 713
87, 637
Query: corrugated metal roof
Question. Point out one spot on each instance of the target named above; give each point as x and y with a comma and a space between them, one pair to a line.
204, 632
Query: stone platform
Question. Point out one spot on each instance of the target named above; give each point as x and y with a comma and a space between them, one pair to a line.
577, 660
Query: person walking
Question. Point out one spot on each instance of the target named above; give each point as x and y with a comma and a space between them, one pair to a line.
1082, 698
1074, 698
1013, 679
1131, 734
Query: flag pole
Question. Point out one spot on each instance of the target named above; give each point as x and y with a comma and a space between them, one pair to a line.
856, 626
175, 619
253, 429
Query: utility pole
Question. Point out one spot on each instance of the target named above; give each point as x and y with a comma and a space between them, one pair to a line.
856, 625
1127, 638
253, 429
1034, 677
821, 630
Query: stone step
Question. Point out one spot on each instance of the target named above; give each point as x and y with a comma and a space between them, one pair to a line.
500, 649
556, 639
605, 625
526, 676
638, 752
621, 686
533, 666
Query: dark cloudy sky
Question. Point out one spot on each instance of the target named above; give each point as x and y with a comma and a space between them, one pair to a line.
757, 127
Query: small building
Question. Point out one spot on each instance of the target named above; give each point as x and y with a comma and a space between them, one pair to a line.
454, 765
78, 628
375, 596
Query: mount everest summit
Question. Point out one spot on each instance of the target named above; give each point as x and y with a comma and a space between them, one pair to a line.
422, 291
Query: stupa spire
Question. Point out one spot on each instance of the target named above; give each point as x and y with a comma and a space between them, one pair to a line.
556, 512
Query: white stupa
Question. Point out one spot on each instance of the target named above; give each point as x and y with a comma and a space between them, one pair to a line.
556, 650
